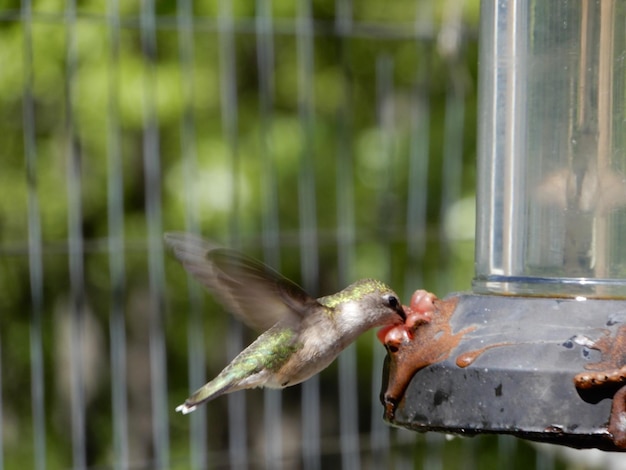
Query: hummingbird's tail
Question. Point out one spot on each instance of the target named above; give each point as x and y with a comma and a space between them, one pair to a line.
245, 371
211, 390
251, 368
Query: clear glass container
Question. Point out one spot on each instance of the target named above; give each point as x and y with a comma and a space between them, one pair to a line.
551, 199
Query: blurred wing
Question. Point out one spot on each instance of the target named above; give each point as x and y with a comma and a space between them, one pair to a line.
255, 293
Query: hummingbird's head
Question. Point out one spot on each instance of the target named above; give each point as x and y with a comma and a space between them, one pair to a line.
366, 304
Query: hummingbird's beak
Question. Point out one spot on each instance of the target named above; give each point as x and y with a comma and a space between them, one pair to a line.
402, 312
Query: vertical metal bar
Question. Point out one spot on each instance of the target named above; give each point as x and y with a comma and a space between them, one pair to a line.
188, 131
468, 454
265, 64
345, 183
435, 443
379, 433
76, 250
406, 458
308, 210
228, 105
35, 263
419, 146
237, 429
272, 424
307, 195
272, 399
196, 352
507, 449
417, 191
544, 459
452, 164
237, 406
152, 169
311, 427
115, 199
348, 397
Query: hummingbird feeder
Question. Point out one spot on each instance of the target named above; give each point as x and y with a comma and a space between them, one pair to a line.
538, 348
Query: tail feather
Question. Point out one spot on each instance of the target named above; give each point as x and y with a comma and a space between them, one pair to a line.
207, 392
248, 370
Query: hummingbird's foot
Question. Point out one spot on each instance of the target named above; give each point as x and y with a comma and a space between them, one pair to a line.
184, 409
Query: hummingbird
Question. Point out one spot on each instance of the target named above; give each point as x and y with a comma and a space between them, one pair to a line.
302, 334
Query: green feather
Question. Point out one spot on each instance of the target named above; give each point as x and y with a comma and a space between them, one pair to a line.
354, 292
269, 351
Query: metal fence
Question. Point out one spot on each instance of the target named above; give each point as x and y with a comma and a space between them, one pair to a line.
333, 140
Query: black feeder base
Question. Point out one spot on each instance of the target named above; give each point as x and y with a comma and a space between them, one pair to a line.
543, 369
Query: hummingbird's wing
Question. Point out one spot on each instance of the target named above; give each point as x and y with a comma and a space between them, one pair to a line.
254, 292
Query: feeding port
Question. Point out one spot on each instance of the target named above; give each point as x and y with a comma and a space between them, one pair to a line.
538, 348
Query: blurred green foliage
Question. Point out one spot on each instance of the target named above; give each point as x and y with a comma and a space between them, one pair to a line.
85, 83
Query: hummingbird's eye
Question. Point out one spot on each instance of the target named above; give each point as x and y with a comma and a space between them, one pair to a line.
392, 301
